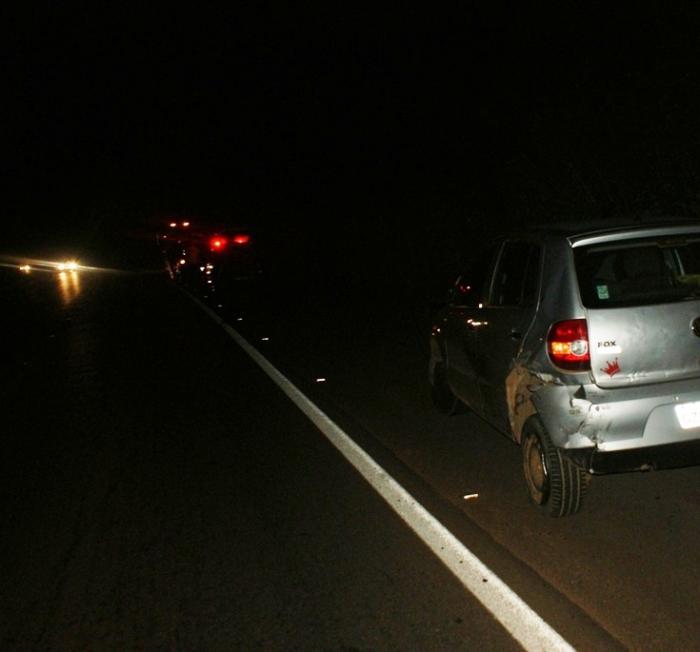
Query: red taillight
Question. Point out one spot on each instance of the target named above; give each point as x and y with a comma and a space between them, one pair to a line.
217, 243
241, 239
567, 345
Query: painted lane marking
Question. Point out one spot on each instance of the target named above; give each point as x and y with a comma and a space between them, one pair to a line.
523, 623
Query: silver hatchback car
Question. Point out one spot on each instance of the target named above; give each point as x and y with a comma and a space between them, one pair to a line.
583, 345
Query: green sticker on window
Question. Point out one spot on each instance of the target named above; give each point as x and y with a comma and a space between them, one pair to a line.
602, 291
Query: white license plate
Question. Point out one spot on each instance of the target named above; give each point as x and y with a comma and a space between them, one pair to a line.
688, 415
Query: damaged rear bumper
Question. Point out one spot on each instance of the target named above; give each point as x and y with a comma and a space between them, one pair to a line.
624, 429
665, 456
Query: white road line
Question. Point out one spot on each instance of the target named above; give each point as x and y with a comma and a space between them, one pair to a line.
526, 626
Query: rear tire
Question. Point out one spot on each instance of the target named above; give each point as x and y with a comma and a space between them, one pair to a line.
554, 483
443, 398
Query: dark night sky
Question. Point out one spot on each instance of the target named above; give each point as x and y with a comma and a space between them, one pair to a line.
339, 121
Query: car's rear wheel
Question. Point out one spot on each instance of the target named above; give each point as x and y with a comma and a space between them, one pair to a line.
441, 393
554, 483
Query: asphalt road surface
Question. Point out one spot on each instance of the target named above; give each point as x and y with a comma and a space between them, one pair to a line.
160, 492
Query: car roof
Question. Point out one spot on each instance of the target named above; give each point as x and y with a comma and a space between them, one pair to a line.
580, 228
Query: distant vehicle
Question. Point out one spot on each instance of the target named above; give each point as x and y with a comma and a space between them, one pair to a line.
210, 256
583, 345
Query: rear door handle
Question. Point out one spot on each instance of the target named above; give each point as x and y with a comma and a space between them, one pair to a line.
515, 335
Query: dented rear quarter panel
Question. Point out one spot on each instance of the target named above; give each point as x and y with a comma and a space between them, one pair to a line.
533, 382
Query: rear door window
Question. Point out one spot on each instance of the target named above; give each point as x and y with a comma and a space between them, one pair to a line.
516, 279
638, 272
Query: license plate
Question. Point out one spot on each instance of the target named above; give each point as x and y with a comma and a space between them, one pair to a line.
688, 415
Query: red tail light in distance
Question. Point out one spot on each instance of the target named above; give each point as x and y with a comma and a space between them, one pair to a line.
241, 239
217, 243
567, 345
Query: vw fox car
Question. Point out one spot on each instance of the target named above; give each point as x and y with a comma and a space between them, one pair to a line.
583, 346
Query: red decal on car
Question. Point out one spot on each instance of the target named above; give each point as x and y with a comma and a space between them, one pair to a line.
612, 368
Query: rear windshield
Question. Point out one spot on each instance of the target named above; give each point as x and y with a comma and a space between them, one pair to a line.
639, 272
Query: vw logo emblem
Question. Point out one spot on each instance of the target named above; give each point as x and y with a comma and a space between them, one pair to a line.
696, 326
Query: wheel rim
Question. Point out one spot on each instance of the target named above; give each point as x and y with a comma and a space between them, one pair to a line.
536, 470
